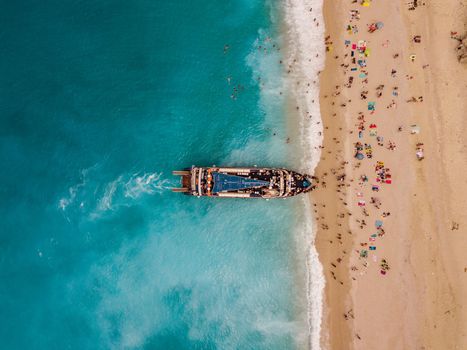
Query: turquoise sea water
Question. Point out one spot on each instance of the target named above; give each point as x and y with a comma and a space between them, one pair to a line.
99, 102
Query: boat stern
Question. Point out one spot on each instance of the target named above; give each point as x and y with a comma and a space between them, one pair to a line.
185, 181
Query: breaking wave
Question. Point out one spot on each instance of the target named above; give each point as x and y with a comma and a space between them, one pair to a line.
305, 60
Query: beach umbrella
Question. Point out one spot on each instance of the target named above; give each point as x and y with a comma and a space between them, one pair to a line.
359, 156
379, 25
419, 154
372, 27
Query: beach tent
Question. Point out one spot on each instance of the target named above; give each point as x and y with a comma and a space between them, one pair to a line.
414, 129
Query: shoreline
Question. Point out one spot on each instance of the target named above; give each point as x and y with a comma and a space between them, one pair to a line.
303, 60
417, 301
327, 203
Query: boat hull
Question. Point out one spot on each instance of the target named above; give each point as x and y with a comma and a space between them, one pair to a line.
245, 182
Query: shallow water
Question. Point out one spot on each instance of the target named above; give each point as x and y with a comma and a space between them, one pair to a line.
100, 101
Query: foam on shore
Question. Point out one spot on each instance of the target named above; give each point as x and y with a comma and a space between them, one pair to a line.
306, 55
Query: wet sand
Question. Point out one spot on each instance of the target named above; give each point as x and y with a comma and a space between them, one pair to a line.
408, 290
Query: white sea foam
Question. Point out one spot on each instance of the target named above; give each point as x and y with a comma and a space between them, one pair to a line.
64, 202
148, 183
303, 60
105, 203
306, 54
315, 281
94, 196
125, 189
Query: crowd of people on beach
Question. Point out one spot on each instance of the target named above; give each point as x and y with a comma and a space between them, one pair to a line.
368, 138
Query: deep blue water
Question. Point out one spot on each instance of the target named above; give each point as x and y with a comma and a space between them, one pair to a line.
99, 102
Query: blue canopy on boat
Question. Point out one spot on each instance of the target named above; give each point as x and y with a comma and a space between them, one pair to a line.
224, 182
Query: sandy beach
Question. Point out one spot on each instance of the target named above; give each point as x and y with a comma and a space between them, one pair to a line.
391, 201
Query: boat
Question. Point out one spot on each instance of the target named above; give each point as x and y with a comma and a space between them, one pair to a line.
244, 182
